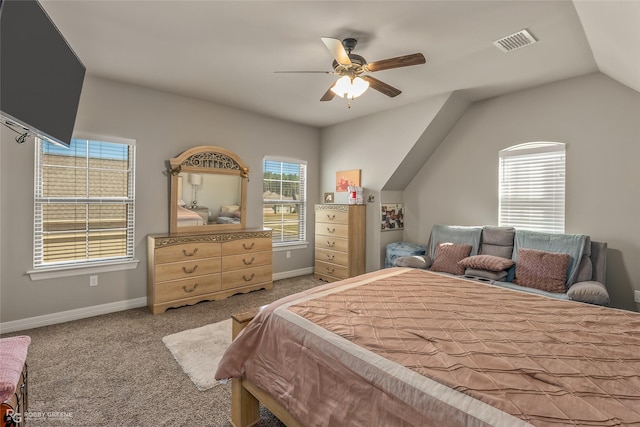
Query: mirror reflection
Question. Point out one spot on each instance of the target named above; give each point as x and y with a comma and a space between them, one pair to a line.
205, 198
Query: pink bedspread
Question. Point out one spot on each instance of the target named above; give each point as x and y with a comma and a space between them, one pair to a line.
405, 347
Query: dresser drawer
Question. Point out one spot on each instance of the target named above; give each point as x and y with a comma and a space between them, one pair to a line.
243, 246
177, 289
331, 242
333, 257
332, 216
246, 277
334, 230
186, 251
253, 259
186, 269
334, 270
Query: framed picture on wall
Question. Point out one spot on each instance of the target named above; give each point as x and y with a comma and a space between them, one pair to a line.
392, 216
346, 178
328, 197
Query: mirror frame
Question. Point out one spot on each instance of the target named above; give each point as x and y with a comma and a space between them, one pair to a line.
207, 159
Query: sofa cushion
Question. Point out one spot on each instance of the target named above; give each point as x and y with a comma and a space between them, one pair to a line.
542, 270
486, 262
486, 274
590, 291
447, 256
468, 235
413, 261
497, 241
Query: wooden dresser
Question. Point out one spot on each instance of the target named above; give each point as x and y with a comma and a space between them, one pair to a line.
184, 269
340, 241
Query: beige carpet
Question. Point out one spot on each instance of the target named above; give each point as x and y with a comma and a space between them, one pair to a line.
198, 351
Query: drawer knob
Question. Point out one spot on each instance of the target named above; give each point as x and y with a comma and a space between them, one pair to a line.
330, 270
195, 251
330, 257
195, 285
250, 247
195, 267
331, 244
331, 230
331, 216
248, 262
250, 278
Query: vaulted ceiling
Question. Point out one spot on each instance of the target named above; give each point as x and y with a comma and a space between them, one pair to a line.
228, 51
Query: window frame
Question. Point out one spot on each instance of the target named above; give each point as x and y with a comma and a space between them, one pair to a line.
302, 241
42, 270
545, 194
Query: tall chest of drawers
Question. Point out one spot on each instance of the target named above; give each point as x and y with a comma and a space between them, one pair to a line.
184, 269
340, 241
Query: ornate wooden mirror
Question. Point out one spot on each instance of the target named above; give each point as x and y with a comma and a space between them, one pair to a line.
208, 190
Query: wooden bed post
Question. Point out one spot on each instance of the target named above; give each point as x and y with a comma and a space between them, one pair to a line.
244, 406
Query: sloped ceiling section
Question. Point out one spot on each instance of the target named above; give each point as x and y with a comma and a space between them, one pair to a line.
613, 31
428, 142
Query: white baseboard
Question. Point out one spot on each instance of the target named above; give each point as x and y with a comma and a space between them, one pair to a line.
66, 316
292, 273
96, 310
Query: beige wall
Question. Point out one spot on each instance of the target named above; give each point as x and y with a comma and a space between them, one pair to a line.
163, 125
598, 119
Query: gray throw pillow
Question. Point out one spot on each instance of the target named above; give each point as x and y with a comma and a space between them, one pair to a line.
414, 261
591, 291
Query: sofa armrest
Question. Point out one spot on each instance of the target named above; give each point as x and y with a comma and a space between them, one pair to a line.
590, 291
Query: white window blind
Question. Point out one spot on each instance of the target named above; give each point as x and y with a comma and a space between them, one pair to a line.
532, 187
84, 203
284, 200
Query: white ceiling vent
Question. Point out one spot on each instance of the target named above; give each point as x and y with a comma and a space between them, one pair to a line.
515, 41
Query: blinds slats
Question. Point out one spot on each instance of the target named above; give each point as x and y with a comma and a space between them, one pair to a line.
84, 203
532, 188
284, 199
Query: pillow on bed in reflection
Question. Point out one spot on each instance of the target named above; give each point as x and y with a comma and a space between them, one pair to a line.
228, 210
542, 270
447, 257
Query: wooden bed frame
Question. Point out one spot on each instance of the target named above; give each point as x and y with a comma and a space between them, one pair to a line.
246, 396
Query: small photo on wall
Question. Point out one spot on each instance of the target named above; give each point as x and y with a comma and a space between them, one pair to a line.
346, 178
392, 216
328, 197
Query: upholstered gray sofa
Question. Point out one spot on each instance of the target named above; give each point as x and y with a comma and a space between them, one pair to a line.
566, 266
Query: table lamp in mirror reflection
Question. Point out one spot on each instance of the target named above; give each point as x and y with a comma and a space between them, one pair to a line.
195, 180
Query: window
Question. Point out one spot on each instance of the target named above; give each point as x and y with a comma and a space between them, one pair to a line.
284, 200
532, 184
84, 203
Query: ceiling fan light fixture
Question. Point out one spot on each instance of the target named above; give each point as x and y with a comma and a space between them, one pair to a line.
346, 87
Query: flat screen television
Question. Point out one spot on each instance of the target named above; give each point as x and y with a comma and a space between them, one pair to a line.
40, 75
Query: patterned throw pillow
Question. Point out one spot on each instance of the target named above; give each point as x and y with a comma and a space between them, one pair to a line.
542, 270
486, 262
447, 257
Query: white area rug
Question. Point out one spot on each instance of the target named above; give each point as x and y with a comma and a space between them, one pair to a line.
198, 351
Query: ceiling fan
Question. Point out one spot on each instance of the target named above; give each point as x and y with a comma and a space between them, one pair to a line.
353, 68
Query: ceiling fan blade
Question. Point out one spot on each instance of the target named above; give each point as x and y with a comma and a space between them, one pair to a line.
308, 72
337, 50
329, 94
397, 62
382, 87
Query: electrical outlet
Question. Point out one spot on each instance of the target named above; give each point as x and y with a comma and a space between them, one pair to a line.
288, 254
93, 280
636, 296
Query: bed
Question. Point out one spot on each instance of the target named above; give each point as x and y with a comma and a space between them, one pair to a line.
188, 218
407, 347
